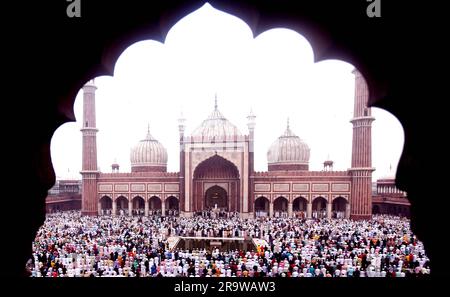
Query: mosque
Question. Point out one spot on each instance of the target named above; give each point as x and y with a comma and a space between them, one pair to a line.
217, 172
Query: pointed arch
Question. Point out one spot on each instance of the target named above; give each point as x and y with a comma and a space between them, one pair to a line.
262, 206
339, 207
106, 205
216, 167
280, 206
216, 170
216, 196
299, 207
121, 205
138, 205
154, 203
319, 207
172, 205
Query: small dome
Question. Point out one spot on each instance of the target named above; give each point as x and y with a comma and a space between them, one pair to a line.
216, 126
288, 152
148, 155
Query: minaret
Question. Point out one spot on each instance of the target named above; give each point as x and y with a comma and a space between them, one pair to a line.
181, 128
361, 171
251, 167
89, 171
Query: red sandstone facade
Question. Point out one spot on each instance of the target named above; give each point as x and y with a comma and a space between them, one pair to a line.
361, 171
217, 171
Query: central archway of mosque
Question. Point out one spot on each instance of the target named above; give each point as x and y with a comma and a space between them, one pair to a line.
216, 185
216, 198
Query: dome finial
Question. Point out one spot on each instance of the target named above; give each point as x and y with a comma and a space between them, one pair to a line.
215, 101
391, 171
288, 123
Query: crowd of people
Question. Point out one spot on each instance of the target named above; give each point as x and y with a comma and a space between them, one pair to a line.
71, 245
214, 213
139, 212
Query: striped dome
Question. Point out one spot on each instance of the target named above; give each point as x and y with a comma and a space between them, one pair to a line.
288, 152
148, 155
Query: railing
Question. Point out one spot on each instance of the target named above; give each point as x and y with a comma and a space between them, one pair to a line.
301, 173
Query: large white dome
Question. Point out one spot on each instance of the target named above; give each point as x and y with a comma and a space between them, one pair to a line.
216, 126
148, 155
288, 152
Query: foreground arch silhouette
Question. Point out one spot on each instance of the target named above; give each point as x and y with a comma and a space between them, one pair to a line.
91, 45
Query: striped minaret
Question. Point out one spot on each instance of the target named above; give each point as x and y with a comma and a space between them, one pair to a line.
89, 170
361, 171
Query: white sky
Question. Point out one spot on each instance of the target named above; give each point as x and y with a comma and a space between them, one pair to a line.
210, 52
